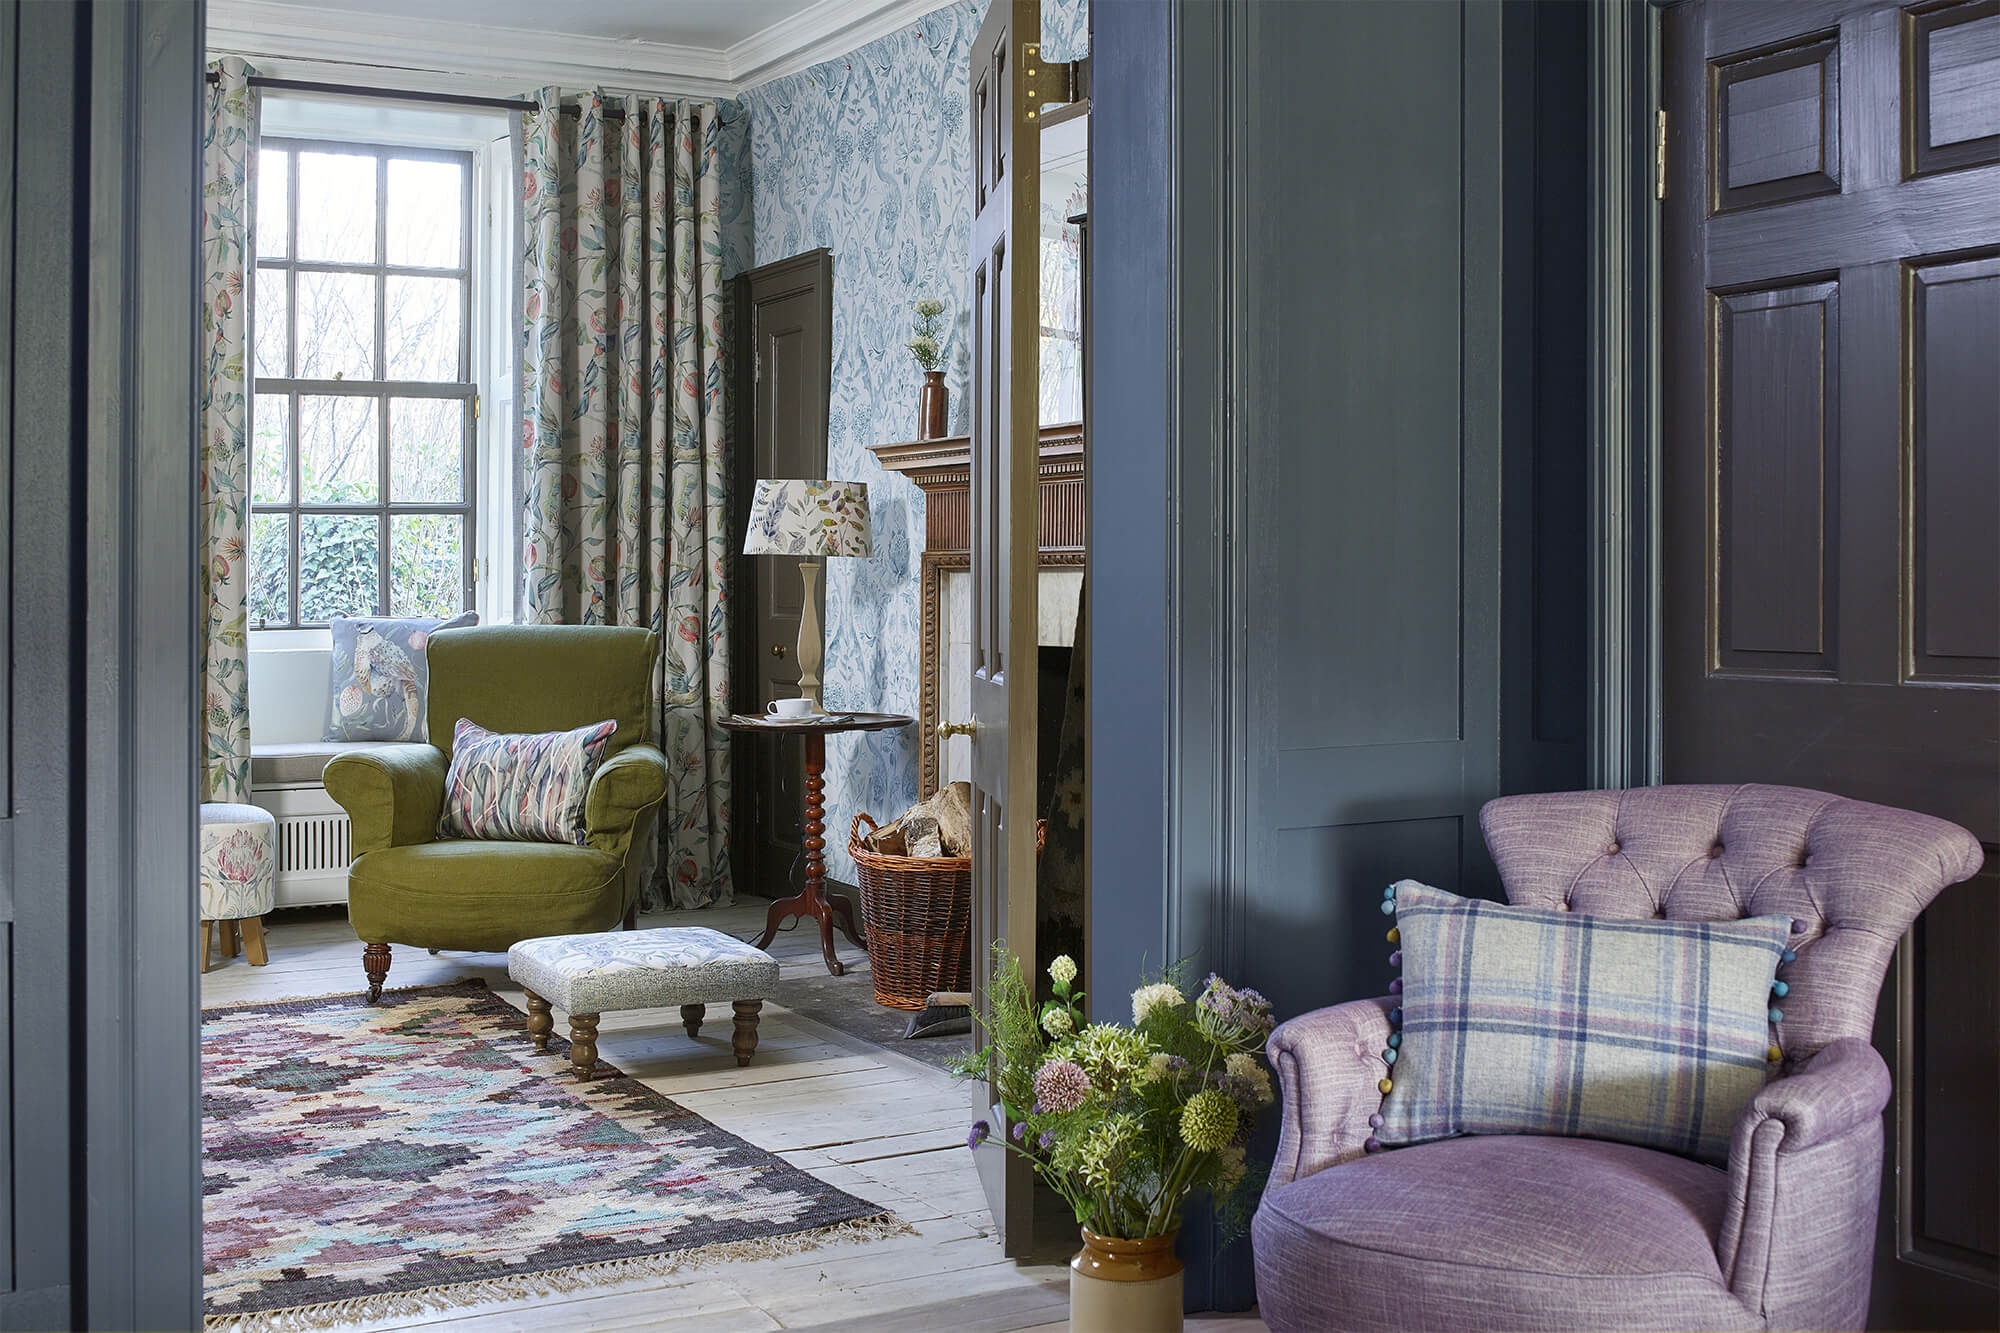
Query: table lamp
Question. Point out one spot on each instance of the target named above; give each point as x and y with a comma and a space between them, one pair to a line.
813, 519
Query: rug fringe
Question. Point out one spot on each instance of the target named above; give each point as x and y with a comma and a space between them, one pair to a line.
462, 983
554, 1281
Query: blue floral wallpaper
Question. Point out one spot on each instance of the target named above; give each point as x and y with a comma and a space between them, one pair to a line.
867, 155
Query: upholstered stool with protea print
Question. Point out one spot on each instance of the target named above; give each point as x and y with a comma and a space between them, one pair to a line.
239, 861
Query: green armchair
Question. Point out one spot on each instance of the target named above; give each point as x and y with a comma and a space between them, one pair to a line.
405, 885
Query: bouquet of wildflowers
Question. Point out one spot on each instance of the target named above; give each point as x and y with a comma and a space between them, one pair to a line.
924, 343
1127, 1122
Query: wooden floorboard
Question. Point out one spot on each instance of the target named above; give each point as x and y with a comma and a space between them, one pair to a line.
881, 1126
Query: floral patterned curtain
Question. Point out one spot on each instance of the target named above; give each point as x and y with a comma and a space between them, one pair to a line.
229, 168
626, 515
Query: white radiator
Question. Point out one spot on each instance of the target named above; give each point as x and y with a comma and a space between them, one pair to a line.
313, 844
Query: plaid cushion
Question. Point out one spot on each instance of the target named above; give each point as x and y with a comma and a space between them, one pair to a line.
1523, 1020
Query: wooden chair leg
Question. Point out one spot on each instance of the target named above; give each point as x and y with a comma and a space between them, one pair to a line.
691, 1016
744, 1041
253, 941
583, 1045
375, 962
205, 942
231, 944
540, 1024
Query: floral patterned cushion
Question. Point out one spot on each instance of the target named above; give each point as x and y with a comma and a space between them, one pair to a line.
521, 788
375, 688
642, 969
239, 855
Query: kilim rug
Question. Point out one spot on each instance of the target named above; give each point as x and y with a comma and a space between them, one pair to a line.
372, 1161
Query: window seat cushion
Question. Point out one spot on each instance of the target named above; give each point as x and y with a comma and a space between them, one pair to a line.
292, 763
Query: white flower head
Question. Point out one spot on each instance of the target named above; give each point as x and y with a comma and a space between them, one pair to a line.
1243, 1065
1159, 995
1057, 1023
1063, 969
1156, 1068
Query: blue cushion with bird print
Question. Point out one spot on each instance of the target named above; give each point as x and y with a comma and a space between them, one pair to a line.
375, 689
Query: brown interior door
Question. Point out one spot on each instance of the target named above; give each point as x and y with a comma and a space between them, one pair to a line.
788, 307
1005, 411
1831, 510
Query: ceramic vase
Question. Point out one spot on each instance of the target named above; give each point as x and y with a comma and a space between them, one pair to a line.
931, 405
1125, 1286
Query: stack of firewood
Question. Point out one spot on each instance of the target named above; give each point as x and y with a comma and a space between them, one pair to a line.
939, 826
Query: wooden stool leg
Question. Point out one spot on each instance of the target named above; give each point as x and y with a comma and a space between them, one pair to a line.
205, 941
583, 1045
745, 1039
539, 1022
375, 962
691, 1016
231, 945
253, 941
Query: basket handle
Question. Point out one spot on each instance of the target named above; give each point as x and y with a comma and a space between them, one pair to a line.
854, 831
1041, 835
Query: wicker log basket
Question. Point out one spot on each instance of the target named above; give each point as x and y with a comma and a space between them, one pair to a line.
918, 911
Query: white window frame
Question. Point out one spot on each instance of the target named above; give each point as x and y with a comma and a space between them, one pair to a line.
492, 137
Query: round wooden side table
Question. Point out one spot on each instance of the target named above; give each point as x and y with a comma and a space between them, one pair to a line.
814, 901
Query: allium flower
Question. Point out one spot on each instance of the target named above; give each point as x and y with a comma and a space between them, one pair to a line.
1046, 1140
1057, 1022
1159, 995
1208, 1121
1157, 1068
1063, 969
1110, 1055
1061, 1086
1238, 1017
981, 1131
1243, 1066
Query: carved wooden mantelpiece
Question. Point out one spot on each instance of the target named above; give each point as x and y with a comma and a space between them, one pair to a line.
942, 470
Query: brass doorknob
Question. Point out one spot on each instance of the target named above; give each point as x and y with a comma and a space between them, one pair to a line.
777, 650
946, 730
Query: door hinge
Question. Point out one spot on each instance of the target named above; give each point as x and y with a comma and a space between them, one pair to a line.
1660, 155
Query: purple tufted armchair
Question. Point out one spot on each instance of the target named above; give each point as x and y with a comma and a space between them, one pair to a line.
1517, 1232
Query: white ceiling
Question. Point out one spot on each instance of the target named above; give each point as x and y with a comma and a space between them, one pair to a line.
701, 48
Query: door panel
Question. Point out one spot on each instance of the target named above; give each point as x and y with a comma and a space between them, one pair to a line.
788, 310
1005, 411
1830, 477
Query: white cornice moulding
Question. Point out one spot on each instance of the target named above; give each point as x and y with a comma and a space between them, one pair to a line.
513, 58
828, 29
427, 55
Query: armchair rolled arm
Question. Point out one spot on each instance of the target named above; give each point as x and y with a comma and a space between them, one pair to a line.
625, 786
1329, 1064
392, 794
1805, 1164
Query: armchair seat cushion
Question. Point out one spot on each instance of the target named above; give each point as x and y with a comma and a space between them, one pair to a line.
1499, 1232
468, 894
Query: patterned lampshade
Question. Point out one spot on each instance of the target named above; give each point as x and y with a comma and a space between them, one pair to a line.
810, 518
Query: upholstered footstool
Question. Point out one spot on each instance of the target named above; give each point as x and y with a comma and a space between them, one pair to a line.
239, 878
587, 976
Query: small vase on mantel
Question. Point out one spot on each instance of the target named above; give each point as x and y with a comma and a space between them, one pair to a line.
931, 406
1125, 1286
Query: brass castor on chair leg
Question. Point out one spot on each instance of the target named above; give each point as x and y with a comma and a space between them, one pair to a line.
375, 962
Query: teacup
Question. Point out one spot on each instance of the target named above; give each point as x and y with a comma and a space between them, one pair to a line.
789, 707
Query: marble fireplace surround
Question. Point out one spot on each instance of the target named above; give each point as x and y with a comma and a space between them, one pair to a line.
942, 470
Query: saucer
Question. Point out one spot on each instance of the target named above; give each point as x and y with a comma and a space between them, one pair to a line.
793, 717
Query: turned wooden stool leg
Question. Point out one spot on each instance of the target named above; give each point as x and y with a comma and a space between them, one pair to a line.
745, 1039
375, 962
253, 941
583, 1045
539, 1022
691, 1016
205, 941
